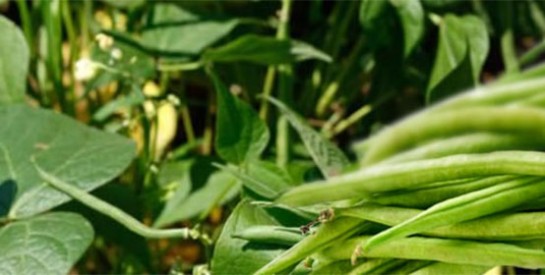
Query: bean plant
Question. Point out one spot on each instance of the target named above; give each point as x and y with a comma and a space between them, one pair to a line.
272, 137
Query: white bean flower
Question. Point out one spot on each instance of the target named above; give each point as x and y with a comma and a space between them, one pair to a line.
85, 69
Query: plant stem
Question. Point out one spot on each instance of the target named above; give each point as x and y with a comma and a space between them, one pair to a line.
70, 30
508, 40
285, 72
532, 54
188, 66
267, 90
27, 24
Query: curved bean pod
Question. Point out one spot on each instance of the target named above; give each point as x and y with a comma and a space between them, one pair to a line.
490, 95
443, 250
500, 227
410, 133
446, 268
429, 195
473, 205
382, 178
481, 142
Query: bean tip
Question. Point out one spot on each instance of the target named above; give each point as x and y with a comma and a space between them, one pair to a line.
358, 251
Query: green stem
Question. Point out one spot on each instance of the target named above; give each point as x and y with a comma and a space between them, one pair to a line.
267, 90
509, 52
508, 40
70, 30
27, 23
533, 54
112, 211
188, 66
285, 78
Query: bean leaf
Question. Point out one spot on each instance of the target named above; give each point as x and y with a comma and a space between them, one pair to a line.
328, 157
264, 50
411, 16
73, 152
48, 244
241, 134
14, 60
463, 47
253, 48
173, 29
237, 256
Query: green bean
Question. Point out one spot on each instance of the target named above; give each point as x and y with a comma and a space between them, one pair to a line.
490, 95
481, 142
377, 266
388, 177
338, 267
473, 205
429, 195
535, 100
271, 234
409, 133
327, 233
504, 227
111, 211
443, 250
446, 268
408, 267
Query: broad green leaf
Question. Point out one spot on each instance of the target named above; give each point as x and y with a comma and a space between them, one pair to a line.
72, 151
411, 16
330, 159
46, 244
220, 188
241, 136
236, 256
14, 61
263, 50
264, 178
458, 37
479, 43
174, 29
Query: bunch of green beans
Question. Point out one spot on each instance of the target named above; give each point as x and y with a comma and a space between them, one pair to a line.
455, 188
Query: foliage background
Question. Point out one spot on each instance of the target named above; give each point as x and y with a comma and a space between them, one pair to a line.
183, 79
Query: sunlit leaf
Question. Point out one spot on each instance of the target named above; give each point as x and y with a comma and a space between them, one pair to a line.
459, 38
411, 16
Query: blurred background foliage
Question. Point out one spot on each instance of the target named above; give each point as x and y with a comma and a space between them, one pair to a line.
140, 68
